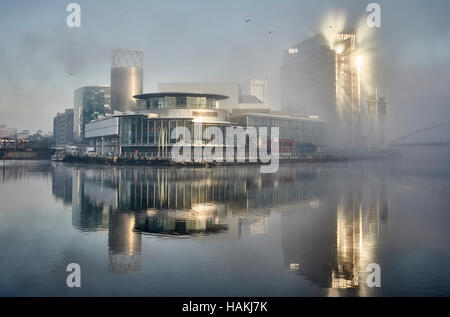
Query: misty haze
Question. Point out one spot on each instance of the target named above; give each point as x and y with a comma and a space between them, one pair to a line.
224, 148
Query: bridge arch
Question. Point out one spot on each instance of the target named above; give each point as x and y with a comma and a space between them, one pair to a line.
395, 142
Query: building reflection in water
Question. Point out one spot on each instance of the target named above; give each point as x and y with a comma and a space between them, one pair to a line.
329, 228
332, 241
361, 217
124, 243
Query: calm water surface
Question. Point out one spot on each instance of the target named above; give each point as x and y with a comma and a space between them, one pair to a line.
308, 230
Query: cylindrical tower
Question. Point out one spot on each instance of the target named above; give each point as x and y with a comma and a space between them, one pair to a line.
126, 79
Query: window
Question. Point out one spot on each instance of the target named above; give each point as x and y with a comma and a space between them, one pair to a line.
181, 102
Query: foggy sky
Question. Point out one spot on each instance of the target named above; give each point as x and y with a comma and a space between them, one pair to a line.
201, 40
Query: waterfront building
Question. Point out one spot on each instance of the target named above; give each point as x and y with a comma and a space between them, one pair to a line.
63, 128
148, 131
320, 77
297, 134
89, 103
229, 89
126, 79
308, 78
257, 88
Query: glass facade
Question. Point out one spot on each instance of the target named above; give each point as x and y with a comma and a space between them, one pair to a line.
173, 102
152, 135
298, 130
150, 131
89, 103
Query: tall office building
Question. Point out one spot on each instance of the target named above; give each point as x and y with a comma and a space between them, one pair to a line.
229, 89
323, 78
257, 88
89, 103
308, 78
63, 128
126, 79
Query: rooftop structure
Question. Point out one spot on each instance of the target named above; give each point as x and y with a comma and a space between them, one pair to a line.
229, 89
257, 88
182, 100
250, 103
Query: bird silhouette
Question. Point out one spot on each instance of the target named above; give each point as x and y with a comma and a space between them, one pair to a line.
270, 31
246, 20
70, 74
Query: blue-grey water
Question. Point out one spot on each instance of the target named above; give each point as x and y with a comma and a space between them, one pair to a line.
308, 230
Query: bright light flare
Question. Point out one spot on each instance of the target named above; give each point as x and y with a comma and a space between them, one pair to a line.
359, 62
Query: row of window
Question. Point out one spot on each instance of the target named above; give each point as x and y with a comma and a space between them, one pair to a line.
180, 102
263, 122
147, 131
152, 132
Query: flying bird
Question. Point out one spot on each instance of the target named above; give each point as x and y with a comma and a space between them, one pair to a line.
270, 31
70, 74
247, 20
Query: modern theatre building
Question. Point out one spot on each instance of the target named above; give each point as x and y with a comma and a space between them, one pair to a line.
147, 132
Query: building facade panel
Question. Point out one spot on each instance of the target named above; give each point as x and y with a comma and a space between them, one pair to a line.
257, 88
90, 102
323, 78
302, 132
101, 128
